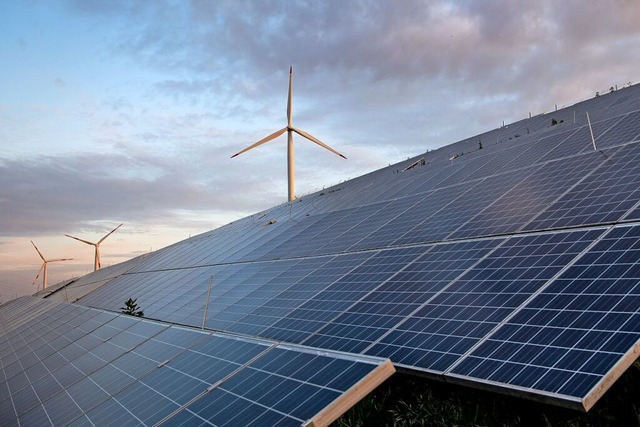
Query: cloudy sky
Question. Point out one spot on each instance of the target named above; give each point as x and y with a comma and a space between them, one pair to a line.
128, 111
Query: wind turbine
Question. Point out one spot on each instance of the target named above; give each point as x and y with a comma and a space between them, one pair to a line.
43, 268
96, 262
290, 129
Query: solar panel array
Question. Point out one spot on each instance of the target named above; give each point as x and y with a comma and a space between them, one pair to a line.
65, 364
513, 267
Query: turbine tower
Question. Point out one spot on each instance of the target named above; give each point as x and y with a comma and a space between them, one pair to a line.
290, 129
96, 261
43, 268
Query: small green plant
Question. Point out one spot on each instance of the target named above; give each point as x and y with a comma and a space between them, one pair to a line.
131, 308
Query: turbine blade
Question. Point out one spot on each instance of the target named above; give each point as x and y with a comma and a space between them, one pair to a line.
289, 102
37, 275
39, 253
60, 259
317, 141
262, 141
109, 234
79, 239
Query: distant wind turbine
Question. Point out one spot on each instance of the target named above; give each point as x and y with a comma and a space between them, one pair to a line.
290, 129
96, 263
43, 268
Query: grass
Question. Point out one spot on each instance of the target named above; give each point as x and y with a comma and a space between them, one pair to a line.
406, 400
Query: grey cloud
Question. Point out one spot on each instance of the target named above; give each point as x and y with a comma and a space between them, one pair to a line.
389, 40
403, 49
57, 194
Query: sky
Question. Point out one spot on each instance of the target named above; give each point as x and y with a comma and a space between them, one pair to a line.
128, 111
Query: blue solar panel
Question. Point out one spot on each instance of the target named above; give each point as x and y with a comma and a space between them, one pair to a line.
469, 307
580, 140
602, 196
534, 194
576, 330
462, 207
149, 373
624, 131
399, 295
284, 386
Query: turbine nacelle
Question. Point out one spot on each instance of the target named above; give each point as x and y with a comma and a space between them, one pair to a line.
96, 261
290, 130
43, 267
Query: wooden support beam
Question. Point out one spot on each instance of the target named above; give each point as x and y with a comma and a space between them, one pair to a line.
352, 396
609, 379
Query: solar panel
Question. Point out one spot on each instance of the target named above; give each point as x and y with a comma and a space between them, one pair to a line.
535, 193
603, 196
479, 195
626, 130
450, 323
313, 313
577, 333
115, 365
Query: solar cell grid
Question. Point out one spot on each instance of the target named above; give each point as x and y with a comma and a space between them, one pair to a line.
307, 234
287, 229
282, 385
111, 379
146, 404
144, 392
222, 408
86, 394
622, 100
88, 363
354, 227
408, 214
36, 417
576, 330
23, 400
463, 312
472, 163
500, 161
341, 222
179, 285
46, 386
167, 344
401, 183
174, 385
285, 293
603, 196
422, 273
237, 302
462, 206
624, 131
340, 292
6, 409
109, 413
427, 178
580, 140
515, 208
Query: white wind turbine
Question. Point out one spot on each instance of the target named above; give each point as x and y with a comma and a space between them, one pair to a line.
290, 129
43, 268
96, 262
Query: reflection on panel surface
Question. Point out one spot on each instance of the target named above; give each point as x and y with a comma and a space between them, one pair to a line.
150, 373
